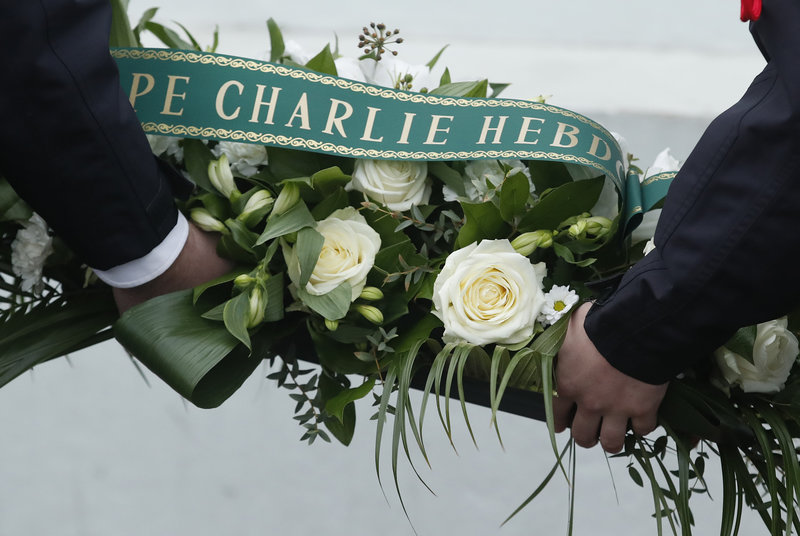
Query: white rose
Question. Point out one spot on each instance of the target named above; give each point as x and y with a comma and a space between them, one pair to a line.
488, 293
244, 158
395, 184
348, 254
774, 353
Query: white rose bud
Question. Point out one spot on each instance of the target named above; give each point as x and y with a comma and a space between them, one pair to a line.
774, 354
219, 173
395, 184
373, 314
287, 198
203, 219
371, 294
488, 293
348, 254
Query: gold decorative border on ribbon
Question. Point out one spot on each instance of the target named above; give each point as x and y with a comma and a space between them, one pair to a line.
357, 152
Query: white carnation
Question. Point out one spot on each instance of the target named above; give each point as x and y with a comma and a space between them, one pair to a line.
481, 173
29, 250
166, 145
244, 158
488, 293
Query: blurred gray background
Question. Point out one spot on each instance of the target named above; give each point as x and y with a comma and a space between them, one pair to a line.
89, 449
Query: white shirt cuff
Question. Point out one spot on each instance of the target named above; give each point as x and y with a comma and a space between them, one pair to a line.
144, 269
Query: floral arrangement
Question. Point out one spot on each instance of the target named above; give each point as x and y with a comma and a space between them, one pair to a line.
394, 275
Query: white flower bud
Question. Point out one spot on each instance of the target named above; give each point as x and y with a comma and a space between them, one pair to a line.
243, 280
371, 294
578, 229
258, 200
332, 325
258, 306
373, 314
598, 226
289, 196
219, 173
527, 243
203, 219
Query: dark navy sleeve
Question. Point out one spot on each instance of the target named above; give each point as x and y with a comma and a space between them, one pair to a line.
70, 143
728, 240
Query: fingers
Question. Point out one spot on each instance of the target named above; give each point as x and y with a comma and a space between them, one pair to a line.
645, 424
612, 434
562, 413
586, 427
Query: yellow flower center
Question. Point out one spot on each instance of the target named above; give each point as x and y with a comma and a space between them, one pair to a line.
559, 305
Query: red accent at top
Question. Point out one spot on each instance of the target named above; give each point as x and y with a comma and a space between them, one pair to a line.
751, 10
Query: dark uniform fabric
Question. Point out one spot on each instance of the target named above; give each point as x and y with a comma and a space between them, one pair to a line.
728, 240
70, 143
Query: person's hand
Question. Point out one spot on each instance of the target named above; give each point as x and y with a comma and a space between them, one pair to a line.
197, 263
604, 399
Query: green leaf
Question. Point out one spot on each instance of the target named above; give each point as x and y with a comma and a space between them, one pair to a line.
121, 33
198, 291
431, 64
336, 405
274, 289
445, 79
12, 207
244, 237
290, 221
546, 175
514, 196
344, 429
196, 357
308, 248
563, 202
497, 89
146, 16
167, 36
332, 202
337, 356
236, 316
197, 156
329, 180
477, 88
50, 330
742, 343
483, 220
333, 305
323, 62
276, 46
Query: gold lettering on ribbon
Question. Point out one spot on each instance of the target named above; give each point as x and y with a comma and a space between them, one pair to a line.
526, 128
596, 145
270, 104
301, 112
498, 130
137, 77
336, 120
223, 90
434, 130
562, 133
370, 123
406, 128
172, 95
